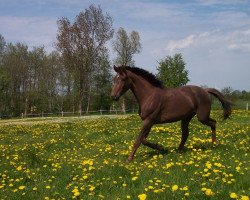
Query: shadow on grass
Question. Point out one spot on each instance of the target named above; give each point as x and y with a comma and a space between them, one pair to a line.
145, 156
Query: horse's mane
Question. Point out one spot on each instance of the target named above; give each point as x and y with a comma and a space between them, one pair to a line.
146, 75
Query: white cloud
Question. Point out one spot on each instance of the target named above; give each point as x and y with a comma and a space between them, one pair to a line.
180, 44
214, 41
221, 2
176, 45
33, 31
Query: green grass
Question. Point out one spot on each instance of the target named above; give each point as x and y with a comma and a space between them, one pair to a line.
84, 158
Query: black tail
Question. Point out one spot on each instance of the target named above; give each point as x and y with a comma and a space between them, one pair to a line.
226, 104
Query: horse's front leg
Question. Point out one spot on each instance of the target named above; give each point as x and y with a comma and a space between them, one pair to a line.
146, 126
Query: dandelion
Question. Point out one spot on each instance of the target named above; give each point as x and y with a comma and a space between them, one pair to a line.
150, 187
91, 188
233, 195
243, 197
185, 188
209, 192
175, 187
21, 187
142, 196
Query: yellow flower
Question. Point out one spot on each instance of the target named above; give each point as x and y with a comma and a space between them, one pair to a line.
233, 195
142, 196
209, 192
21, 187
134, 178
76, 194
186, 194
244, 197
34, 188
208, 165
48, 187
91, 188
185, 188
175, 187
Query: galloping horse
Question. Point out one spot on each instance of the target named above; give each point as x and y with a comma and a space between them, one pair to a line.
158, 104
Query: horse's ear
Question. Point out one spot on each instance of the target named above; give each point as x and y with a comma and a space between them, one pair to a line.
120, 70
123, 71
116, 69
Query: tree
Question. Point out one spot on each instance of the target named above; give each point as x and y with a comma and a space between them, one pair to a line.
126, 46
172, 71
81, 43
2, 47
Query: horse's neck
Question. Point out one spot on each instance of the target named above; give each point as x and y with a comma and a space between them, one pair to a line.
141, 88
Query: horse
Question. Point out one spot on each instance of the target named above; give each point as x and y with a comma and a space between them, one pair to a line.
158, 104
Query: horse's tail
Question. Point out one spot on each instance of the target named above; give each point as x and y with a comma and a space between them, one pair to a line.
226, 104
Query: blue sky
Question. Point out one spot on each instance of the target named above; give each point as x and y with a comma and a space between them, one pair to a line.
212, 35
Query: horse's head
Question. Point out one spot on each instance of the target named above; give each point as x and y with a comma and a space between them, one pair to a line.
121, 83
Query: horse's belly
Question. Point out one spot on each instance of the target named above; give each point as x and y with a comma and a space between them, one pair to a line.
176, 112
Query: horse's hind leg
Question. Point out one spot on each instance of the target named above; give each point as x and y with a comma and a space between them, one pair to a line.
212, 124
209, 122
185, 131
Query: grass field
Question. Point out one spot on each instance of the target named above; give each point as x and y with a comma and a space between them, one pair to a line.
84, 158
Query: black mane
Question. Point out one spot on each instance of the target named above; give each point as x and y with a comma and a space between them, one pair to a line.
146, 75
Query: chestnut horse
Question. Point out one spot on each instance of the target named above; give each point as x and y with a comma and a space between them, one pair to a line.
158, 104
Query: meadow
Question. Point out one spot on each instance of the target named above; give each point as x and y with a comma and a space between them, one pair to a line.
84, 158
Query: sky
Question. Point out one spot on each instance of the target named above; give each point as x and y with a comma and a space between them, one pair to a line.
212, 35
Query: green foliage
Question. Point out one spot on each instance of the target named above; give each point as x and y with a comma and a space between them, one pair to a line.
172, 72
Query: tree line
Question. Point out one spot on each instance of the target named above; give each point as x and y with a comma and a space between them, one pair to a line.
77, 75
